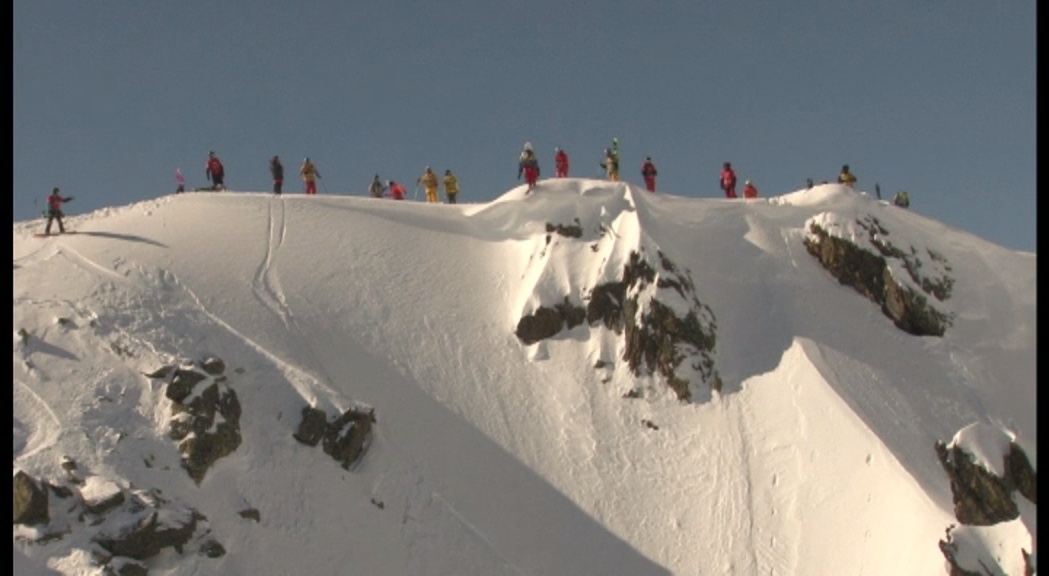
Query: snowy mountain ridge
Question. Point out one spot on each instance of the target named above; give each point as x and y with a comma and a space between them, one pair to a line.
585, 379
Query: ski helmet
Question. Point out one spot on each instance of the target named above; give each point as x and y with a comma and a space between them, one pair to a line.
528, 146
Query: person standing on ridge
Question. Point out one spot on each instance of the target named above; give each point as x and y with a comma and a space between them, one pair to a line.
180, 181
847, 177
215, 172
429, 182
610, 164
451, 186
397, 192
376, 188
560, 163
309, 174
728, 180
529, 166
749, 191
54, 210
277, 171
648, 171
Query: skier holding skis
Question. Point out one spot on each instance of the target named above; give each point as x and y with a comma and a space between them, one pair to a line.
54, 210
215, 172
728, 180
560, 163
309, 175
648, 171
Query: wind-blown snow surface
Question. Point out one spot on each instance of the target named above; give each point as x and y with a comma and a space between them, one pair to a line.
493, 457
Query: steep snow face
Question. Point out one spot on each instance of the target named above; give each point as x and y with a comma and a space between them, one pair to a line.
494, 456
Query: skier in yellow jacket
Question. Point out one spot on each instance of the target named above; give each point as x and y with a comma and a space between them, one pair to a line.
309, 175
429, 182
451, 186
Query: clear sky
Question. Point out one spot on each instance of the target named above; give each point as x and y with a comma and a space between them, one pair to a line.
490, 456
935, 98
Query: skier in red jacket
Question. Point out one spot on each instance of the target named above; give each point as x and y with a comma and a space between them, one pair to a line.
749, 191
397, 192
728, 180
560, 163
648, 171
214, 171
54, 210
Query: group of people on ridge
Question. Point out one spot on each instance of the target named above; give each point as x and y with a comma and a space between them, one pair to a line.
379, 189
308, 171
528, 167
727, 181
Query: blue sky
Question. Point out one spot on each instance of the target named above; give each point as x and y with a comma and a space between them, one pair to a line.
936, 98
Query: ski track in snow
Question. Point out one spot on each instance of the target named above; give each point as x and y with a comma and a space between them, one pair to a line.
266, 284
36, 437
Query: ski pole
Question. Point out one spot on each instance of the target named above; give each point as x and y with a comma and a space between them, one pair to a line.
415, 195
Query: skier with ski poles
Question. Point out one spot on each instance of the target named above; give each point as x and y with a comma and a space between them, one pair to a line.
429, 182
309, 174
54, 210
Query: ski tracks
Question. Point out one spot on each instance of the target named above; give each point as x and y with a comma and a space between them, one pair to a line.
266, 284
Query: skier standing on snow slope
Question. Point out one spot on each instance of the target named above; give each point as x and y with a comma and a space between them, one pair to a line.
610, 164
54, 210
846, 177
429, 182
648, 171
215, 172
309, 175
179, 181
376, 189
560, 163
529, 166
277, 170
728, 180
451, 186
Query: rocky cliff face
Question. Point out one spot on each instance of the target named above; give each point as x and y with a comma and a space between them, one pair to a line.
872, 268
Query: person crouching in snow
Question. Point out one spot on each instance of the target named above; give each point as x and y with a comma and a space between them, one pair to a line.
648, 171
560, 163
749, 191
397, 192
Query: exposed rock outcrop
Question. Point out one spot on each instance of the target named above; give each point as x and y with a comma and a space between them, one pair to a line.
870, 273
345, 439
30, 500
982, 498
205, 413
675, 340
